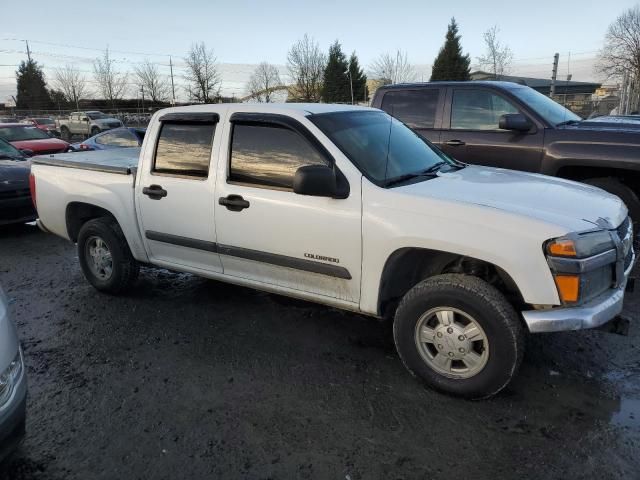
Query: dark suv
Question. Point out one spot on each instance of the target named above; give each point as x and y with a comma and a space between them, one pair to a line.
508, 125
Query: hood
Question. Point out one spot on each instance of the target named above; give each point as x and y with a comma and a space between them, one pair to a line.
40, 145
609, 124
571, 205
106, 120
14, 175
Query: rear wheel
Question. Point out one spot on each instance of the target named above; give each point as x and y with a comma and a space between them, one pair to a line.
459, 335
94, 131
65, 133
105, 256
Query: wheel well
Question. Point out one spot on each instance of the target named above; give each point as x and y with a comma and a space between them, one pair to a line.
630, 178
407, 267
79, 213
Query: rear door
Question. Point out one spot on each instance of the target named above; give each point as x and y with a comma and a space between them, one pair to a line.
269, 234
175, 192
471, 132
420, 109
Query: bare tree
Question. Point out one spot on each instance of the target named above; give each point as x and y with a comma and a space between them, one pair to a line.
151, 80
203, 74
306, 64
498, 57
620, 56
392, 68
262, 83
111, 83
71, 83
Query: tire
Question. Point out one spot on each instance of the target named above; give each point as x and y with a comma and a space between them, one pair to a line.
497, 355
94, 131
65, 134
96, 235
628, 196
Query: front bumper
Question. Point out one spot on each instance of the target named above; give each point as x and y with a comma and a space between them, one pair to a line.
17, 209
12, 419
592, 314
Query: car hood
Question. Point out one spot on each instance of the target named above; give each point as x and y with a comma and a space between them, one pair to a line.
40, 144
606, 124
14, 175
567, 204
106, 120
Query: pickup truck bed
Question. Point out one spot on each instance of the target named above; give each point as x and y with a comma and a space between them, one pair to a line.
122, 160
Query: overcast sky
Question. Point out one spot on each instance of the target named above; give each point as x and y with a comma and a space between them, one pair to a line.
244, 32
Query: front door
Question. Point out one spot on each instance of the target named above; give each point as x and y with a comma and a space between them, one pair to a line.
473, 134
269, 234
175, 192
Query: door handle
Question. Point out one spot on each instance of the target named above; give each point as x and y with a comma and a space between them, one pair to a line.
455, 143
154, 192
235, 203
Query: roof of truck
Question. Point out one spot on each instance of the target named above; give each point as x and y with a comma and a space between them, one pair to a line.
298, 108
485, 83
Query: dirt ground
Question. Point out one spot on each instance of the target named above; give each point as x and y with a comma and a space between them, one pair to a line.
190, 378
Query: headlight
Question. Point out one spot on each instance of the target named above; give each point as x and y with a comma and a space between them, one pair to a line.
9, 378
582, 264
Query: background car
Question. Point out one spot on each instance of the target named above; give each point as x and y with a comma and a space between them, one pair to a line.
15, 198
13, 384
28, 137
116, 138
46, 124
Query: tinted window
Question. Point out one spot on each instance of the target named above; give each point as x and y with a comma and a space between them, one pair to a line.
27, 132
269, 155
379, 145
120, 138
184, 149
550, 110
415, 108
478, 109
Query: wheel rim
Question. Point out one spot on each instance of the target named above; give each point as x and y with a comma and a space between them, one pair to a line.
99, 258
452, 342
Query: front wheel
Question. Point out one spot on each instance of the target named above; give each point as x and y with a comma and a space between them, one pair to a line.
105, 257
459, 335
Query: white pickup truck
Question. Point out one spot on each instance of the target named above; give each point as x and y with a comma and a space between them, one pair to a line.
86, 124
348, 207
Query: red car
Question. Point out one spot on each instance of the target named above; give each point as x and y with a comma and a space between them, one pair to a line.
29, 138
45, 124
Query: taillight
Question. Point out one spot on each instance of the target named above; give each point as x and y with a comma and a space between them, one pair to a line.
84, 147
32, 189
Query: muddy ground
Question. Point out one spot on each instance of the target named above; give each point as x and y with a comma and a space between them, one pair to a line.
190, 378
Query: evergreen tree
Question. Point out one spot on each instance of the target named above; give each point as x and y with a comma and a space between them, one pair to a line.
32, 87
336, 87
451, 64
359, 79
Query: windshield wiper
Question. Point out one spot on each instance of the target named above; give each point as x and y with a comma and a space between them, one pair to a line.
429, 172
568, 122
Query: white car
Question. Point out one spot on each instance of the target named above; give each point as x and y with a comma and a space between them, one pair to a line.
348, 207
13, 384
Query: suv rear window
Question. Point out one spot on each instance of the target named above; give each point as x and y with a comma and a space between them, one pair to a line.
184, 149
414, 108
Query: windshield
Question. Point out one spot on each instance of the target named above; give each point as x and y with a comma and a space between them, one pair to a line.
17, 133
551, 111
382, 147
96, 115
44, 121
9, 151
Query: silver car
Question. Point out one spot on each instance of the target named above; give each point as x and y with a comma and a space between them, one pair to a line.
13, 384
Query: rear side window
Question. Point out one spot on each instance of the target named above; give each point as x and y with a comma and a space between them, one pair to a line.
414, 108
269, 155
184, 149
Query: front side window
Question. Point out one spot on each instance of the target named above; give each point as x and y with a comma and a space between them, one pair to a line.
121, 138
184, 149
475, 109
414, 108
269, 155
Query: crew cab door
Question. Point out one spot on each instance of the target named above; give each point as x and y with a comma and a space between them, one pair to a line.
269, 234
471, 134
175, 191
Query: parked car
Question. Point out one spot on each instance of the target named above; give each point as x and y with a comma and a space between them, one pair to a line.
13, 384
31, 139
116, 138
87, 124
348, 207
508, 125
16, 205
46, 124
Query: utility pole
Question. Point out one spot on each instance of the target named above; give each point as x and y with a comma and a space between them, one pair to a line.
28, 51
554, 74
351, 83
173, 88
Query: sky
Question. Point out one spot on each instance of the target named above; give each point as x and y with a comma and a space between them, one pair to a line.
243, 33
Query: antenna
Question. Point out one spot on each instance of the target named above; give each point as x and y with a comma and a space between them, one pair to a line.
386, 162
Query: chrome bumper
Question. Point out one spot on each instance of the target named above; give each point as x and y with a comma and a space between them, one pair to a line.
592, 314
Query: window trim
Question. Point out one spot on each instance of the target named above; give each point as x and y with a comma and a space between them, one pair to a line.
182, 120
274, 120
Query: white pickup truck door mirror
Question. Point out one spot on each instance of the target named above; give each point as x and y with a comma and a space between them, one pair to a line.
315, 180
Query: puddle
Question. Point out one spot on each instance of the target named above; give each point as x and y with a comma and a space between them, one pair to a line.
629, 413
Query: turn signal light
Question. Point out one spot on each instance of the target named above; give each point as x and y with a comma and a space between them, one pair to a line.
562, 247
568, 287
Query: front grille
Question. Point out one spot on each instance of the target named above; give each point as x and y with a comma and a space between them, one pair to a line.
23, 192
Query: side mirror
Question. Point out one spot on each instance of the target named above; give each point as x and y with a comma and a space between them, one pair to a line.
515, 121
315, 180
26, 152
85, 119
